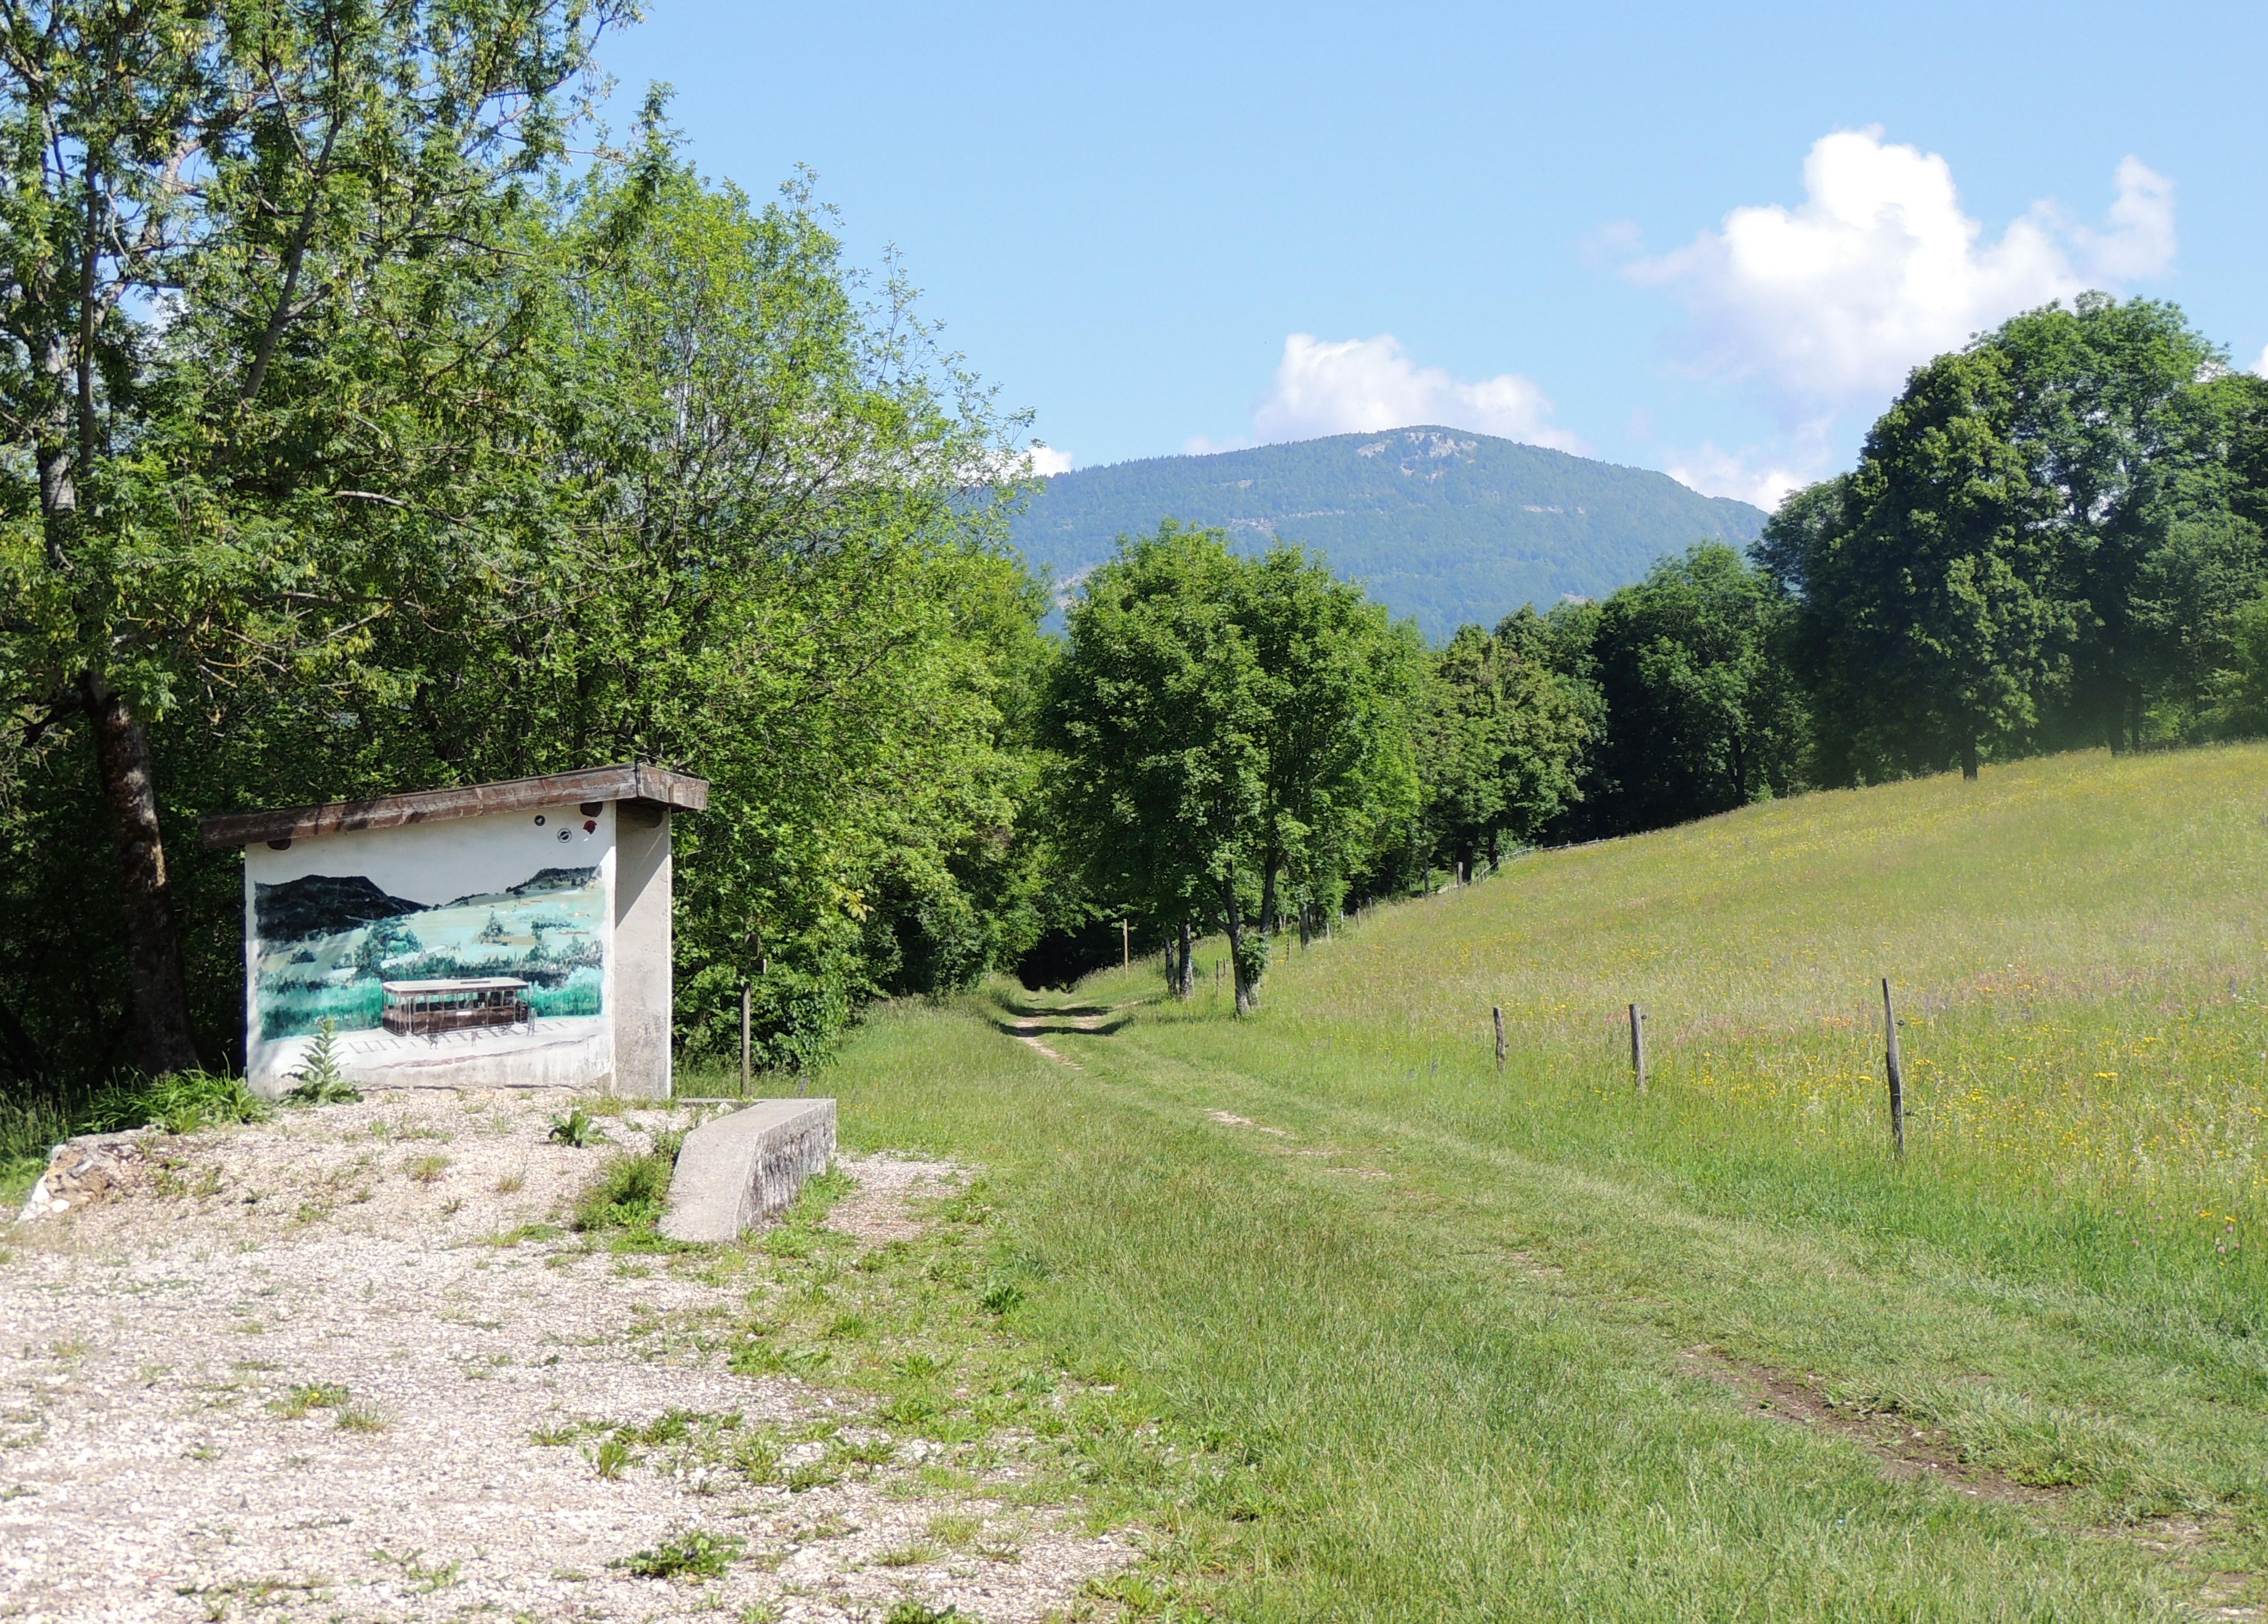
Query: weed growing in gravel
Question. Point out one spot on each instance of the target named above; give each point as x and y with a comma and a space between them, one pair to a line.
363, 1418
428, 1168
920, 1613
628, 1192
427, 1577
310, 1396
696, 1554
613, 1458
915, 1556
956, 1529
322, 1080
577, 1128
510, 1183
878, 1452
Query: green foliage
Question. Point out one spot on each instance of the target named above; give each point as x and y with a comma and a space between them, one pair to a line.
2049, 541
577, 1128
629, 1193
182, 1102
764, 566
1700, 712
1229, 729
322, 1082
1502, 743
696, 1555
2238, 694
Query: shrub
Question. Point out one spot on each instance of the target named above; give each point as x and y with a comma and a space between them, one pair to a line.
180, 1103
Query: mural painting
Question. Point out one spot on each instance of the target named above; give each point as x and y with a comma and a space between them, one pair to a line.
329, 943
480, 941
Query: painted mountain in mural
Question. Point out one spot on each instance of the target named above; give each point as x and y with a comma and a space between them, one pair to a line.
323, 905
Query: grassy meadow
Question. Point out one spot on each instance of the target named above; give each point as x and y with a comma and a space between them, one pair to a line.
1528, 1345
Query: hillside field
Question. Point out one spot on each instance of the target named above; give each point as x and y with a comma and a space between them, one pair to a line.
1464, 1345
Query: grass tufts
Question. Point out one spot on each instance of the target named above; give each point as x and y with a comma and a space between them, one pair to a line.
629, 1193
696, 1556
182, 1102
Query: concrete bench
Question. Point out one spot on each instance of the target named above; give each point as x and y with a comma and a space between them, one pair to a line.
734, 1171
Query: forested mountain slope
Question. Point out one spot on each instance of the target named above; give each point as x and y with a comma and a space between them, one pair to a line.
1440, 523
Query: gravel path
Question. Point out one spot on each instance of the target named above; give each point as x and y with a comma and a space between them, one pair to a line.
284, 1372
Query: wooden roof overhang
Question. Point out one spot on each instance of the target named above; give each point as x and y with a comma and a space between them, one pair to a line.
649, 788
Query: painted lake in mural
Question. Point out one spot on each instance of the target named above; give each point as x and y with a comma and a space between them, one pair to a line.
327, 942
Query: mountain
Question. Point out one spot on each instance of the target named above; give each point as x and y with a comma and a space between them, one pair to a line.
1436, 523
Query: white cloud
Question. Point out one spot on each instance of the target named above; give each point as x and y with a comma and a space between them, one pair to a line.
1748, 474
1761, 475
1832, 302
1002, 465
1353, 385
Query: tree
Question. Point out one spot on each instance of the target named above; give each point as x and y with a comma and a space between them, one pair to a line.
1702, 715
1929, 622
1229, 729
668, 483
770, 551
1340, 689
2128, 447
226, 235
1155, 715
1501, 744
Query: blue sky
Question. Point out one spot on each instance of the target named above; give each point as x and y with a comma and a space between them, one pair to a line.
1706, 239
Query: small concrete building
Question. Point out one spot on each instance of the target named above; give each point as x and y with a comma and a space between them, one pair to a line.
500, 934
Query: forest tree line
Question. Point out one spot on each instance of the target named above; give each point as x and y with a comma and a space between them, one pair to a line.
366, 438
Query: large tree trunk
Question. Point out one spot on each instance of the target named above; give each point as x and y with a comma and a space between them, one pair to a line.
1185, 978
1268, 900
1969, 757
162, 1039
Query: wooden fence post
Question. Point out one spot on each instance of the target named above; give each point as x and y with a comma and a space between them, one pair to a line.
744, 1039
1637, 1046
1896, 1070
1499, 1012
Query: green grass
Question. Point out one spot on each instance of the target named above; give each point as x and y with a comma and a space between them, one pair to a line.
1472, 1346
